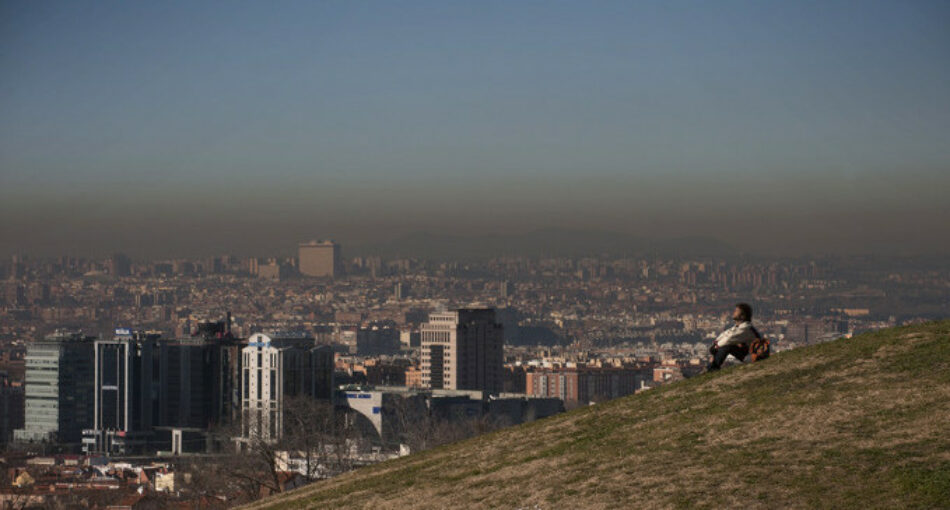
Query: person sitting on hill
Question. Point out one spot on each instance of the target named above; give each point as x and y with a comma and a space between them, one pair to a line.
734, 340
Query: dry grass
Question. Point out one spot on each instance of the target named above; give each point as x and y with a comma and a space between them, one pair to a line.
852, 423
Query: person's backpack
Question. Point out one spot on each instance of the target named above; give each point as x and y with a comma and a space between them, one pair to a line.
758, 348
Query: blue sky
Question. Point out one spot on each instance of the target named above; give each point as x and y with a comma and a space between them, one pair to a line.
361, 118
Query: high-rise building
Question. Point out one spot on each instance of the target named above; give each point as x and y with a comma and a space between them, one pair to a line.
377, 340
126, 396
59, 389
506, 289
150, 392
320, 259
322, 366
11, 408
463, 350
275, 369
186, 389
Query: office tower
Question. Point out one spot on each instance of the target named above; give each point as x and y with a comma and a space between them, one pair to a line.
198, 384
223, 352
59, 389
11, 408
463, 350
126, 396
153, 393
275, 369
322, 366
377, 340
321, 259
185, 384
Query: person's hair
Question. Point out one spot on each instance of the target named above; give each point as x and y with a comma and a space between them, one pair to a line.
746, 310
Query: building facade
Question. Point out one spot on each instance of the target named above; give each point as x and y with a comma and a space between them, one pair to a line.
124, 398
319, 259
377, 340
463, 350
11, 408
59, 389
155, 394
583, 385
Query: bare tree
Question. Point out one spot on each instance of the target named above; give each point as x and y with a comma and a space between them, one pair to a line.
247, 467
210, 479
416, 426
312, 428
326, 437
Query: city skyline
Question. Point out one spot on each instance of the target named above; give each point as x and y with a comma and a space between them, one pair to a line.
176, 129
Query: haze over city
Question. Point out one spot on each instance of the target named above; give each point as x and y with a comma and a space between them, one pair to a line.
175, 129
495, 254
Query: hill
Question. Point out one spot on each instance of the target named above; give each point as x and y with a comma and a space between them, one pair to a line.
855, 423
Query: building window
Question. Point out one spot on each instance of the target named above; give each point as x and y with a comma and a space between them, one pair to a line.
273, 385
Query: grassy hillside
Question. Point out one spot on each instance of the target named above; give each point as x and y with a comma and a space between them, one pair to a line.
862, 422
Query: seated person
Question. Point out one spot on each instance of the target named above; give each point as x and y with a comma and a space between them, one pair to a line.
734, 340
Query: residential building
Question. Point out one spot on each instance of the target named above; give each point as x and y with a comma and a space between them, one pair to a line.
583, 385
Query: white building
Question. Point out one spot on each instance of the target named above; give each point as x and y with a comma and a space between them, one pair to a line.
277, 368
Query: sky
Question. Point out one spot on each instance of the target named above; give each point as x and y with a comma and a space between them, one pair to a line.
195, 128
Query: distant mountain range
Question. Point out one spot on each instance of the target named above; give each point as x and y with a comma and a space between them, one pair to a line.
547, 242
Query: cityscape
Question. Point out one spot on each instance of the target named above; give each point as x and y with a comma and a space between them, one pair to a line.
499, 254
116, 368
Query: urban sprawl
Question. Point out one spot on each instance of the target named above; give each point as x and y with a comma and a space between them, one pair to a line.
210, 382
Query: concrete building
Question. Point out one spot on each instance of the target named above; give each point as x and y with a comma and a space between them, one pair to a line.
320, 259
274, 270
463, 350
274, 369
59, 389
